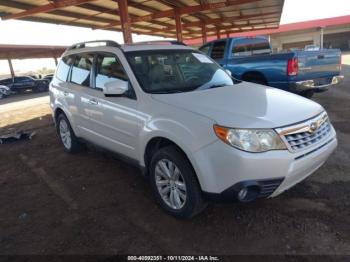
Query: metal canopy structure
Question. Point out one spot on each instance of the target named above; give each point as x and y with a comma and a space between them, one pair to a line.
182, 19
30, 51
10, 52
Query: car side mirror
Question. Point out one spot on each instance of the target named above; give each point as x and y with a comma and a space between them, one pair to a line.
228, 72
115, 88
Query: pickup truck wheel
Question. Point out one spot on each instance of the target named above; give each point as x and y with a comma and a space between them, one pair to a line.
307, 94
69, 140
258, 81
174, 183
254, 78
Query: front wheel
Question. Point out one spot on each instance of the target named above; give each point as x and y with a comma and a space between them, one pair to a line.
174, 183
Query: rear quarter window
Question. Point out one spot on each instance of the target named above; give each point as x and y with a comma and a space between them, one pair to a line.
248, 47
262, 47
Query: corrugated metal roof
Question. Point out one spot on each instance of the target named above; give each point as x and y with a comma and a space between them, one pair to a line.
299, 26
154, 17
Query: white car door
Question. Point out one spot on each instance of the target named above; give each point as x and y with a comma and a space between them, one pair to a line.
114, 121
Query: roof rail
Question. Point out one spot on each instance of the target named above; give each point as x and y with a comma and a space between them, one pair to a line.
83, 44
160, 42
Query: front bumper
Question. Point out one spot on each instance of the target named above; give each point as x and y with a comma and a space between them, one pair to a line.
222, 168
317, 85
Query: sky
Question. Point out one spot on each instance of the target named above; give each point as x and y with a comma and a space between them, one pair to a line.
305, 10
21, 32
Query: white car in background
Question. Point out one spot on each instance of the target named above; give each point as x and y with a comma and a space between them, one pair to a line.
197, 133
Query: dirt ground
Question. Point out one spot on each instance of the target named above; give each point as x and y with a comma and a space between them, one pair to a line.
92, 203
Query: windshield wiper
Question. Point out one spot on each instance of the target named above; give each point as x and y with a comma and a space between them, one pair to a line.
215, 86
167, 91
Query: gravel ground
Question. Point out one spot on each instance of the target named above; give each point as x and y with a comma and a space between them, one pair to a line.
92, 203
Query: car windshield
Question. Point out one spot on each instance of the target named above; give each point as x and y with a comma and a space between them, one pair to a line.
173, 71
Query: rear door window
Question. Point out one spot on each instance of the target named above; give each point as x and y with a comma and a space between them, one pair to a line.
63, 68
81, 69
218, 50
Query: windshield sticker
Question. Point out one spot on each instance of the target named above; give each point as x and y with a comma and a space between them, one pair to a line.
202, 58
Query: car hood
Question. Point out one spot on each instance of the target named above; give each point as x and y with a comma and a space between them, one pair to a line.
245, 105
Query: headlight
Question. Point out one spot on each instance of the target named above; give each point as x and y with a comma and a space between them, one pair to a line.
251, 140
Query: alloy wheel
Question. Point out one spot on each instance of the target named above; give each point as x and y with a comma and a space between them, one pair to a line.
65, 134
170, 184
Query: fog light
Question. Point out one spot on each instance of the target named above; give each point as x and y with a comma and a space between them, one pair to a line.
242, 193
248, 193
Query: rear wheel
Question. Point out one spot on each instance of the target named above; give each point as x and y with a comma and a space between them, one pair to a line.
255, 78
174, 183
308, 93
69, 140
39, 88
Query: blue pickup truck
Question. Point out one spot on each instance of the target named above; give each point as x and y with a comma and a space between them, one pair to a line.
301, 72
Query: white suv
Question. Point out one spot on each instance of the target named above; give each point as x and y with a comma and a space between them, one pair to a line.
197, 133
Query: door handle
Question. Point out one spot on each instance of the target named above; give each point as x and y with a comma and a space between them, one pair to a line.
93, 101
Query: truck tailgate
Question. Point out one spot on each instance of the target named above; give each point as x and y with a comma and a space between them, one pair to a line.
318, 64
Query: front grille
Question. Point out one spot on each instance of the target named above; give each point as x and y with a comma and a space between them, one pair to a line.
306, 134
267, 187
304, 140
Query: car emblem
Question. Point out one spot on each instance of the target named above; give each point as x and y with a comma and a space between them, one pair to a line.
313, 127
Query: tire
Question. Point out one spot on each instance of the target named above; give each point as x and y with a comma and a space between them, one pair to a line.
307, 94
39, 89
257, 79
183, 183
70, 142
